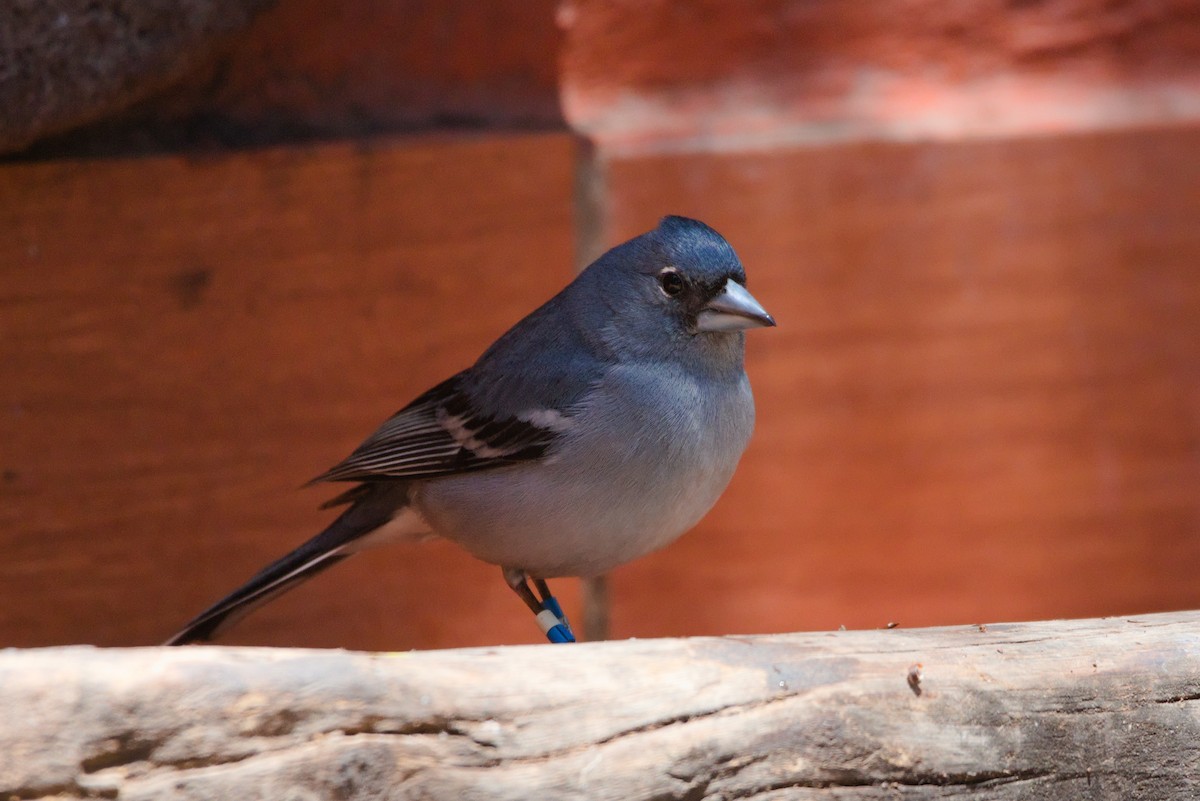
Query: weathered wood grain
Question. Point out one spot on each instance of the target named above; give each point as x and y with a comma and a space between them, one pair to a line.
1086, 709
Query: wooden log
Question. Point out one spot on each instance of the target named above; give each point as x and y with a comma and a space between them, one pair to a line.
1097, 709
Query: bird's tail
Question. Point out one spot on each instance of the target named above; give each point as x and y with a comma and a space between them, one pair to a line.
371, 507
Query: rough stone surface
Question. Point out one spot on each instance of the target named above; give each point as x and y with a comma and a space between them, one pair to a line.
1097, 709
650, 75
66, 62
310, 69
659, 75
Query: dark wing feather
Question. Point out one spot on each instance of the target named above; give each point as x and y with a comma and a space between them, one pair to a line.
441, 433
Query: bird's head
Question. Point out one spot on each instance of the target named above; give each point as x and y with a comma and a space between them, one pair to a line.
681, 282
696, 278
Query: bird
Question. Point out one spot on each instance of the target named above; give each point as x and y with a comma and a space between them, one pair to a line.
599, 428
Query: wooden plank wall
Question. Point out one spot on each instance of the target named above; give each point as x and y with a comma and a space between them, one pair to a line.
983, 398
185, 341
976, 224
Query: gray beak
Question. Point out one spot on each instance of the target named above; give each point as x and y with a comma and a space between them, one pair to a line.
733, 310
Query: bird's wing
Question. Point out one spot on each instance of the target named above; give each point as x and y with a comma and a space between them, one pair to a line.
442, 432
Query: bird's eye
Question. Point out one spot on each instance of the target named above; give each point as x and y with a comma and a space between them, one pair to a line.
671, 282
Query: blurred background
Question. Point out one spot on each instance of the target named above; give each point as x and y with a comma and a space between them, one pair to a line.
235, 235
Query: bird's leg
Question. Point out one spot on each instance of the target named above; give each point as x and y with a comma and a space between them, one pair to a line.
519, 582
553, 625
551, 603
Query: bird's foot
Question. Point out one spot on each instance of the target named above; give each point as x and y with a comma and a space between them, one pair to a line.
546, 609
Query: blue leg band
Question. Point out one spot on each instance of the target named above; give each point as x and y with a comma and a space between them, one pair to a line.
553, 622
